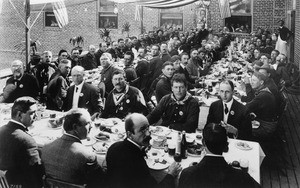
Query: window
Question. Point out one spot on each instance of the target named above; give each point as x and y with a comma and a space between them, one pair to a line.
171, 18
241, 16
50, 20
108, 16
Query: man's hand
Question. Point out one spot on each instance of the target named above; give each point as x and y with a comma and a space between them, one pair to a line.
174, 169
229, 128
8, 89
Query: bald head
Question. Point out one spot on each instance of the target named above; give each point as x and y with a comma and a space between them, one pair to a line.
137, 129
77, 74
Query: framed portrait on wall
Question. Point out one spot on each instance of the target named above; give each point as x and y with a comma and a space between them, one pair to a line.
50, 20
201, 16
240, 7
174, 20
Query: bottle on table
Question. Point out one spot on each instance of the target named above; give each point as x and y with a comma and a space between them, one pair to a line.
178, 144
183, 148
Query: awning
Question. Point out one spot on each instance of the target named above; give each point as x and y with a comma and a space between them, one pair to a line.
37, 5
158, 4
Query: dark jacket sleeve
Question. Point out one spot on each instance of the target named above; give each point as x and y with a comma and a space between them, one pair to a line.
156, 114
162, 89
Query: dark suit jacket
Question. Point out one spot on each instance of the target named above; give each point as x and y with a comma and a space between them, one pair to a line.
214, 172
27, 86
127, 168
19, 156
89, 99
68, 160
238, 117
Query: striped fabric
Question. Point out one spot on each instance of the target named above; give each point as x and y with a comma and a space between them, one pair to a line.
224, 8
60, 13
159, 4
137, 15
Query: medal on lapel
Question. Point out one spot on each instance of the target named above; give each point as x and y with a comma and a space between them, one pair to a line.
21, 86
232, 113
81, 95
180, 113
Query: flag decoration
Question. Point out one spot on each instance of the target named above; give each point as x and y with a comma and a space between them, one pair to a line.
60, 13
137, 15
224, 8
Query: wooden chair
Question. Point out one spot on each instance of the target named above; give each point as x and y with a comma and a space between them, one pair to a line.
54, 183
3, 181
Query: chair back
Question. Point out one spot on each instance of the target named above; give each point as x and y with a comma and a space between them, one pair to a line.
3, 181
54, 183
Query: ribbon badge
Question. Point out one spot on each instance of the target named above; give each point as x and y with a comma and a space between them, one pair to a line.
180, 113
21, 86
81, 95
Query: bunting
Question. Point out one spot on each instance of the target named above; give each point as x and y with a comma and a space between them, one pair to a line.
60, 13
137, 15
224, 8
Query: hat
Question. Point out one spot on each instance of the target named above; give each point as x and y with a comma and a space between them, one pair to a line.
175, 58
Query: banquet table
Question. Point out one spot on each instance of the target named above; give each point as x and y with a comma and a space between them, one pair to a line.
43, 133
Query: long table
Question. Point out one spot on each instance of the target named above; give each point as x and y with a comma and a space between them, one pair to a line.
43, 134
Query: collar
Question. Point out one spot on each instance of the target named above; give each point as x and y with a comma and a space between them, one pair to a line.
19, 123
182, 65
229, 104
140, 147
70, 135
181, 102
213, 155
80, 86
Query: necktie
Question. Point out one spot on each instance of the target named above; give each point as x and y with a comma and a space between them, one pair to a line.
226, 109
76, 89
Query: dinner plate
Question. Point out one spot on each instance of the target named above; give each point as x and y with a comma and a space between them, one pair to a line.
101, 138
88, 142
100, 148
243, 146
157, 165
160, 131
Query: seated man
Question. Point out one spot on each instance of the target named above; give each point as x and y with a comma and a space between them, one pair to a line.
67, 159
19, 154
106, 72
232, 114
129, 68
213, 170
123, 99
81, 94
20, 84
58, 85
263, 105
125, 160
163, 86
178, 110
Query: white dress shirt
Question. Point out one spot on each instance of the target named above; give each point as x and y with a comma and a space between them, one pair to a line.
76, 95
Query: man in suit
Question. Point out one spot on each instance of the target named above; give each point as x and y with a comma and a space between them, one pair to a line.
180, 67
67, 159
106, 73
58, 85
213, 170
125, 160
19, 154
81, 94
89, 60
230, 113
123, 99
20, 84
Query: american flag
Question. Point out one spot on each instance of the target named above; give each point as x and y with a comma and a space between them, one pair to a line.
224, 8
60, 13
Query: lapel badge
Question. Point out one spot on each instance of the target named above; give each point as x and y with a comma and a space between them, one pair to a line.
232, 112
180, 113
127, 101
81, 95
121, 108
21, 86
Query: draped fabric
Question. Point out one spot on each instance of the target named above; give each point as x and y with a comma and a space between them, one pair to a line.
158, 4
224, 8
60, 13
